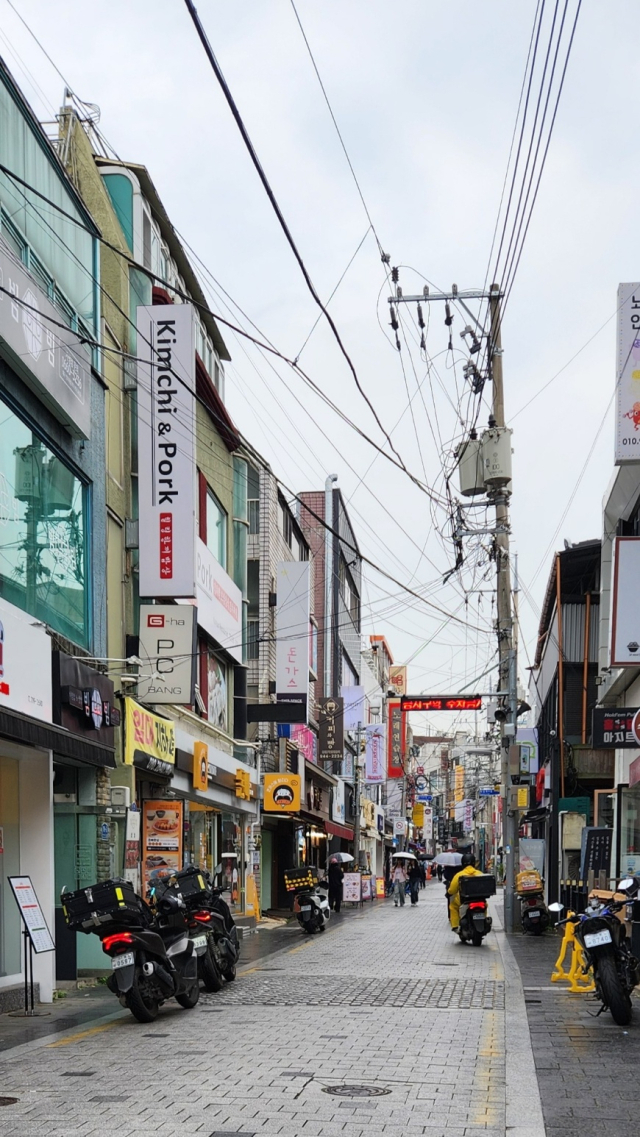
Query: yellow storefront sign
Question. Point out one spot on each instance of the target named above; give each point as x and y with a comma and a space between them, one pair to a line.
200, 770
418, 814
150, 741
281, 793
459, 783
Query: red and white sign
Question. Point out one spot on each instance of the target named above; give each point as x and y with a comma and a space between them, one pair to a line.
219, 602
396, 739
375, 740
166, 449
25, 664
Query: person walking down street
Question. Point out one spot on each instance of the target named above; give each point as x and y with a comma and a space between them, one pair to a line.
453, 892
336, 877
439, 867
399, 878
415, 880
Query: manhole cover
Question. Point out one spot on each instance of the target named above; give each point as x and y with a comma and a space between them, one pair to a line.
356, 1091
8, 1101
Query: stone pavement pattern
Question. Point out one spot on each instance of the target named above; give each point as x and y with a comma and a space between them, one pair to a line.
587, 1067
386, 999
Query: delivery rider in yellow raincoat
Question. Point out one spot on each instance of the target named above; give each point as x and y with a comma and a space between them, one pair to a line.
453, 892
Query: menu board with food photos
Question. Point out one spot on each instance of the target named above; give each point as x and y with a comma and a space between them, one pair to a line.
161, 839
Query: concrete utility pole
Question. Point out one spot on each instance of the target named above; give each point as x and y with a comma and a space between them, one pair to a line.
506, 639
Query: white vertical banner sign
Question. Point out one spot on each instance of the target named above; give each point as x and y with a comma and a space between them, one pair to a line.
292, 647
353, 706
427, 827
625, 611
375, 752
167, 450
628, 375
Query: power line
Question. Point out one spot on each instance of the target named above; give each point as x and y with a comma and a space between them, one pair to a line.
280, 216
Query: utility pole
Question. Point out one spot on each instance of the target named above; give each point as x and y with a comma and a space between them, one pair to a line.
506, 641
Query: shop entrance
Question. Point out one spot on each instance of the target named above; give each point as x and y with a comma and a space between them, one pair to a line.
10, 925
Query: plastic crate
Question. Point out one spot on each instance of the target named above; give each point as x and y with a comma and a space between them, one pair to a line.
107, 902
193, 886
477, 887
297, 879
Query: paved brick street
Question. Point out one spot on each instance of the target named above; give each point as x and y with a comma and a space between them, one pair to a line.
387, 1000
586, 1065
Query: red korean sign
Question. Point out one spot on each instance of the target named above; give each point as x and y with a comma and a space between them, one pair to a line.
396, 739
441, 703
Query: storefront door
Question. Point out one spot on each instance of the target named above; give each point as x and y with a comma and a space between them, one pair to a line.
10, 941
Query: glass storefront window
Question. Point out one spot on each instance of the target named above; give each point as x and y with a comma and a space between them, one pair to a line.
43, 532
630, 831
231, 876
10, 925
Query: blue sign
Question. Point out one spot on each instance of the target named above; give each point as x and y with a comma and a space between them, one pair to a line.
489, 793
424, 797
104, 831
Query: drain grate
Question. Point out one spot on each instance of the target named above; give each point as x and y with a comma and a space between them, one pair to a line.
78, 1074
355, 1091
8, 1101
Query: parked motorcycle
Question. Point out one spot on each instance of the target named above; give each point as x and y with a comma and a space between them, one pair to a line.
209, 913
311, 906
533, 910
475, 921
603, 939
153, 956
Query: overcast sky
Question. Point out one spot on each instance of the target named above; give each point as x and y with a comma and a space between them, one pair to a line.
425, 95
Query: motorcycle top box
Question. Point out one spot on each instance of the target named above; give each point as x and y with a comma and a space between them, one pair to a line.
110, 901
295, 880
192, 885
477, 887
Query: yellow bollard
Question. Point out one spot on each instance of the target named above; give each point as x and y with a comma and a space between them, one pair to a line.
576, 977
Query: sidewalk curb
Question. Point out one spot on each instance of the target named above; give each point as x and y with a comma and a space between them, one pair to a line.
524, 1117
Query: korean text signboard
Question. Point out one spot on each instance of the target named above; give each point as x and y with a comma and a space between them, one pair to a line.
162, 838
31, 913
166, 450
596, 850
292, 645
396, 740
613, 727
627, 447
150, 741
331, 730
375, 738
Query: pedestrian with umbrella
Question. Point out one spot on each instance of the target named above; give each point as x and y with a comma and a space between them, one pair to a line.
399, 877
336, 877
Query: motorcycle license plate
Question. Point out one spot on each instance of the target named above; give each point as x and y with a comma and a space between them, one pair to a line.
200, 941
595, 939
123, 960
305, 907
534, 915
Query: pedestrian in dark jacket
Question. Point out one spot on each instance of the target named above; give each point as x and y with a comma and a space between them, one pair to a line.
336, 877
439, 872
415, 877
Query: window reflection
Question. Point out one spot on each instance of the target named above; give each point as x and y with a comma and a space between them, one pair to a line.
42, 531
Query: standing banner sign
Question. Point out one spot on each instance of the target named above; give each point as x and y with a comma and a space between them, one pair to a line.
351, 888
375, 738
31, 912
166, 450
162, 837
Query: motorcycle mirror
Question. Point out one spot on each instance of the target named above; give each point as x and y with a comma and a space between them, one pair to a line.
628, 882
556, 907
218, 869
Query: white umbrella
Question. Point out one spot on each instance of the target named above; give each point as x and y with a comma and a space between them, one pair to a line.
340, 858
449, 858
405, 856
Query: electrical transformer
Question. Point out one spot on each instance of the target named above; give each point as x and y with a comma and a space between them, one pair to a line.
471, 467
496, 457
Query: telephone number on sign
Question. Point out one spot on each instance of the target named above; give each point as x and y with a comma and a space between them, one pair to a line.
630, 441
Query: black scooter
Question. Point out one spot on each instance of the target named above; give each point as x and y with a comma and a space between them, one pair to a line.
153, 956
210, 915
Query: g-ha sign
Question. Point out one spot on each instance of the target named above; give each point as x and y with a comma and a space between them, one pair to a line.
166, 450
167, 647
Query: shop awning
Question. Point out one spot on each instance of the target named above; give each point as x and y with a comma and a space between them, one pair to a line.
339, 830
47, 736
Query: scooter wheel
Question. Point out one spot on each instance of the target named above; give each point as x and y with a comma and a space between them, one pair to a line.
142, 1006
230, 973
476, 939
210, 972
190, 998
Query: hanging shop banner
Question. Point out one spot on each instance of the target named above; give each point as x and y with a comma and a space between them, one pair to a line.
162, 825
167, 648
459, 784
166, 450
427, 823
331, 730
200, 768
627, 447
305, 740
418, 815
50, 358
219, 602
282, 793
469, 812
25, 664
375, 740
625, 611
150, 741
393, 807
398, 679
351, 887
292, 620
396, 739
613, 728
353, 699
